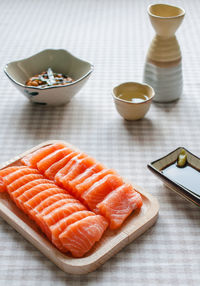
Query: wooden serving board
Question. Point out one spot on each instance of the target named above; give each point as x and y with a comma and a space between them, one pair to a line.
111, 242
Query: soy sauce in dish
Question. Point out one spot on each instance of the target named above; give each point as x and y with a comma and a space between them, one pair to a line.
187, 176
48, 78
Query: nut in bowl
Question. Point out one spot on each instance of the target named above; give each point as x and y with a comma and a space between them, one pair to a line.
46, 67
132, 99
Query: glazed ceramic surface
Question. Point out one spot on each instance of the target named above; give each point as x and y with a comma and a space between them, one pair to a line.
60, 61
129, 110
163, 67
158, 165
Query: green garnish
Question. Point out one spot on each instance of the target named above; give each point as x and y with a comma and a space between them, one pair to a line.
182, 159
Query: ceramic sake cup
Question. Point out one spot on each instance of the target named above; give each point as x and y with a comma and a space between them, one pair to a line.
165, 19
60, 61
130, 110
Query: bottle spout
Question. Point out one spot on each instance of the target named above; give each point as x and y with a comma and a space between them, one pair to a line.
165, 19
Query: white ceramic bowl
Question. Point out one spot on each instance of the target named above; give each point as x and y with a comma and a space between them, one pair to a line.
60, 61
130, 110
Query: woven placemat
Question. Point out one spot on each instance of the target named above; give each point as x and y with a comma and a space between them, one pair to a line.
114, 35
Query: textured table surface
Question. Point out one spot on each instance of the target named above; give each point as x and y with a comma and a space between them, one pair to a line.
114, 36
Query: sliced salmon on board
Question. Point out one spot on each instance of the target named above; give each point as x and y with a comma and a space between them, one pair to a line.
79, 167
66, 169
29, 194
119, 204
50, 200
9, 170
80, 236
5, 172
59, 212
40, 197
38, 218
80, 189
52, 158
86, 174
31, 204
61, 225
97, 192
56, 167
51, 209
23, 181
12, 177
27, 186
2, 186
32, 159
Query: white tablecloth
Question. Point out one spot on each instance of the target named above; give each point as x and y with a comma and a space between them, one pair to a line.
113, 35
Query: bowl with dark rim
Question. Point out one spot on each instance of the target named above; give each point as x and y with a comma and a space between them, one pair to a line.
182, 181
60, 61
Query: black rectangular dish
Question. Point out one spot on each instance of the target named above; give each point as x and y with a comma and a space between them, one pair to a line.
186, 180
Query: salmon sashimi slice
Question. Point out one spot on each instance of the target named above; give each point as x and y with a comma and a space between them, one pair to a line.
59, 203
119, 204
59, 212
18, 174
31, 204
18, 192
38, 217
23, 181
9, 170
27, 186
5, 172
56, 167
64, 171
97, 192
80, 236
49, 160
2, 186
32, 159
62, 224
78, 168
63, 211
27, 195
53, 209
41, 196
50, 200
86, 174
85, 185
47, 203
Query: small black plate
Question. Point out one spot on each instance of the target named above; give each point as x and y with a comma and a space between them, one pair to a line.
159, 165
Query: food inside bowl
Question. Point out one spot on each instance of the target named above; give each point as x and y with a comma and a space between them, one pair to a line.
48, 78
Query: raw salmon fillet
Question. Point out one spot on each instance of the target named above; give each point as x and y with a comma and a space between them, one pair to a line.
92, 184
31, 193
80, 236
57, 166
52, 158
97, 192
52, 208
5, 172
80, 189
64, 171
27, 186
119, 204
78, 168
61, 211
41, 196
50, 200
22, 181
11, 177
86, 174
62, 224
32, 159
